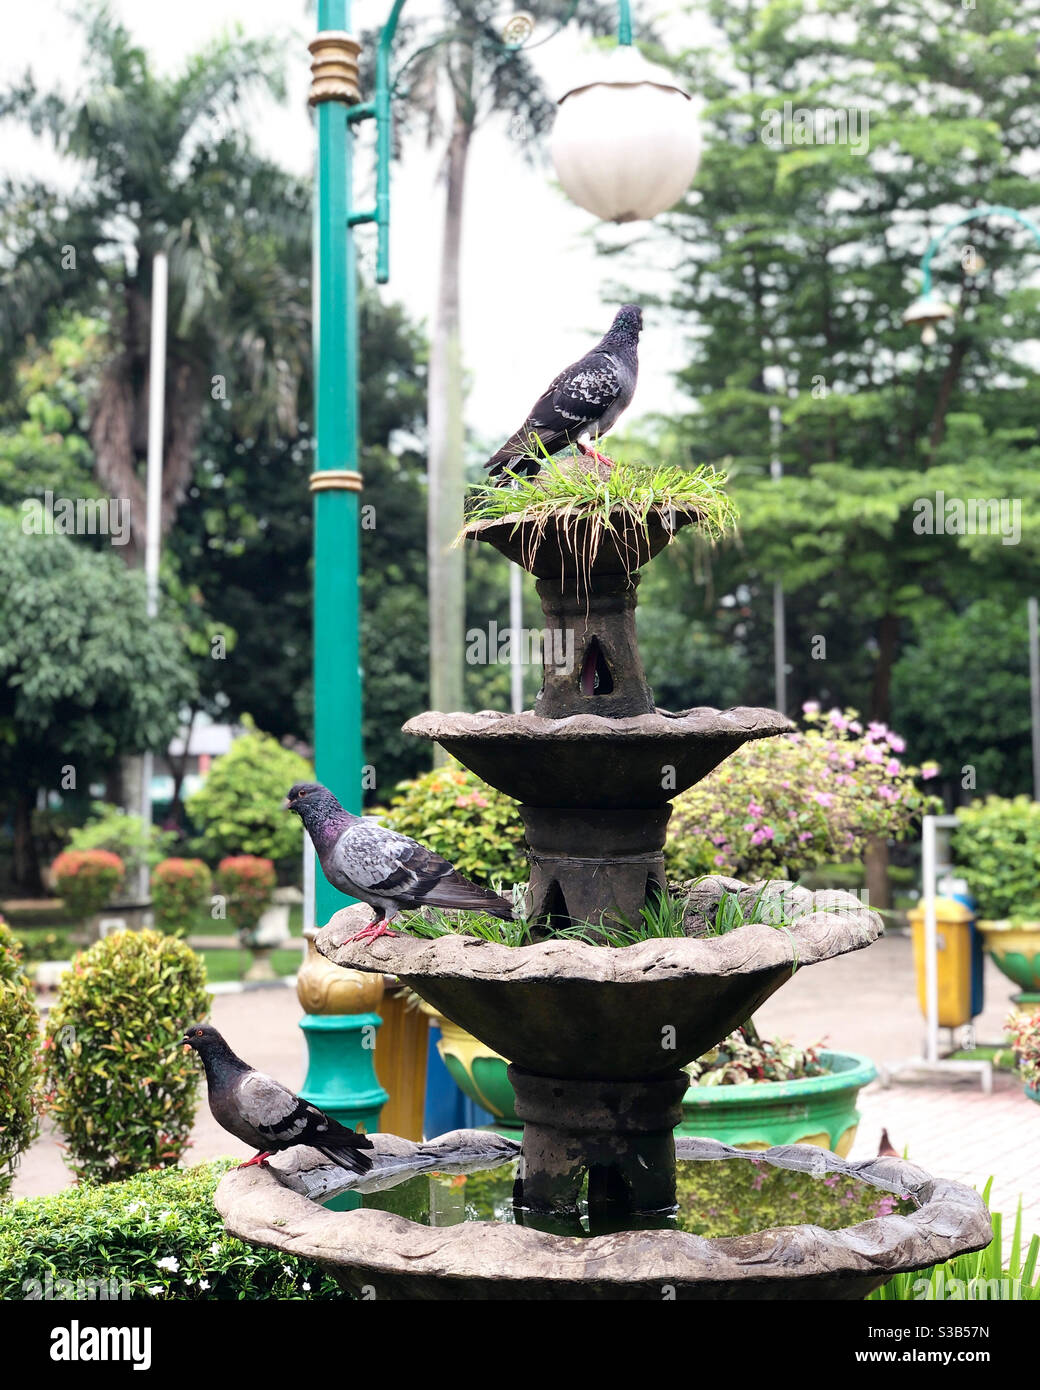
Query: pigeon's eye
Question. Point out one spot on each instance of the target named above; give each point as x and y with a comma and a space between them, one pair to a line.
198, 1032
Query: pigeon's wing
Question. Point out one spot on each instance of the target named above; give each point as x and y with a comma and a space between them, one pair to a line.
574, 402
584, 393
392, 866
283, 1119
273, 1110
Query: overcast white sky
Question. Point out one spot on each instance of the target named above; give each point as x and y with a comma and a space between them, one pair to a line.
533, 290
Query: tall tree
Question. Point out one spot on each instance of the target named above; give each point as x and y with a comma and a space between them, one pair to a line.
162, 164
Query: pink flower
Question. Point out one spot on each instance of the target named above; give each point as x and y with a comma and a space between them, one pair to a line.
929, 770
824, 798
762, 834
887, 793
804, 835
893, 768
811, 707
873, 754
719, 860
838, 720
897, 744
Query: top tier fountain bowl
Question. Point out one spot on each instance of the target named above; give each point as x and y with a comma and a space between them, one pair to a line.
597, 1036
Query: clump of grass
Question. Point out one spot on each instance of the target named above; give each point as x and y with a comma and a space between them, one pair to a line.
569, 492
662, 917
432, 922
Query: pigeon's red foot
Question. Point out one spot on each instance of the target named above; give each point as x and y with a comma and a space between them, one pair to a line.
595, 455
373, 931
261, 1159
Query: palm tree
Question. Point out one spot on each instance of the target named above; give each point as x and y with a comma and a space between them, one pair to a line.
471, 75
162, 166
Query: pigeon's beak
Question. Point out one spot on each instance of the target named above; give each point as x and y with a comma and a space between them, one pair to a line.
287, 805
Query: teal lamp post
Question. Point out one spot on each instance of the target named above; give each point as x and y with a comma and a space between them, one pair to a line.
928, 310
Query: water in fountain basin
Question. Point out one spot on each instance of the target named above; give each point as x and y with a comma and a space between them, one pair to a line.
722, 1197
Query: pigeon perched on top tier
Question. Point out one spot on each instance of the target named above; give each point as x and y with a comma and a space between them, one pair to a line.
585, 399
388, 871
265, 1114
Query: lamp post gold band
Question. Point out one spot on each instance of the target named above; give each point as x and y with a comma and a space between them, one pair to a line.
336, 480
334, 67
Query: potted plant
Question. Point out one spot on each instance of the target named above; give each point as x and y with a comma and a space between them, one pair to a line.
753, 1093
86, 879
1024, 1030
181, 889
247, 882
997, 848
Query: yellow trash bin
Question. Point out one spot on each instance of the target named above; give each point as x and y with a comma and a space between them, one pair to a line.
953, 957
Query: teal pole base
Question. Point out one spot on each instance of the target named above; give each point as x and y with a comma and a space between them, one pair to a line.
341, 1077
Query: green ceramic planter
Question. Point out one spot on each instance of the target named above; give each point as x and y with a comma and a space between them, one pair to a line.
1014, 948
479, 1073
818, 1110
1033, 1092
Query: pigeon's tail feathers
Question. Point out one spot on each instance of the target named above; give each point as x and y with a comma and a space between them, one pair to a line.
512, 458
454, 891
349, 1156
345, 1147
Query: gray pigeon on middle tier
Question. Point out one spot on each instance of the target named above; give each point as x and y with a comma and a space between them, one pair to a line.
389, 871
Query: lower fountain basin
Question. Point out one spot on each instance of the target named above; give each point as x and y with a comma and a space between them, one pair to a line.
383, 1254
546, 1008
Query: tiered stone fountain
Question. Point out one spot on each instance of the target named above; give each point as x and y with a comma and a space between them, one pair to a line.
598, 1036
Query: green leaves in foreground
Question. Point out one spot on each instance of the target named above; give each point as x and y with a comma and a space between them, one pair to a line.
975, 1277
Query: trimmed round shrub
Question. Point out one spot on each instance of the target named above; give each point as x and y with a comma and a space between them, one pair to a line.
239, 807
86, 879
246, 883
181, 890
157, 1235
119, 1085
109, 827
19, 1062
475, 827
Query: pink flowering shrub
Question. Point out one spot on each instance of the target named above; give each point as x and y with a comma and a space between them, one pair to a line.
781, 806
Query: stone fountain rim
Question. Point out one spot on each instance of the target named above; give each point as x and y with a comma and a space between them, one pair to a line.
258, 1207
747, 720
811, 937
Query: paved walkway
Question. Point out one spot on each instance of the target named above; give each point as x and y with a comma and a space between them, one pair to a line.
864, 1002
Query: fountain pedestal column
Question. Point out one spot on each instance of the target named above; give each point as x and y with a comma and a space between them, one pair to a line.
618, 1132
593, 865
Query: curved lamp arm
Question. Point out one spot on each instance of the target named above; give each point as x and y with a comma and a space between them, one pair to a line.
991, 210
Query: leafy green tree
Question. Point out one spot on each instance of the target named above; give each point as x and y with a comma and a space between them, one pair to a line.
961, 685
797, 261
43, 445
162, 164
84, 675
245, 534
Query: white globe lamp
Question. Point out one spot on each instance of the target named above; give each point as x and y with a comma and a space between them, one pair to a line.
627, 142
